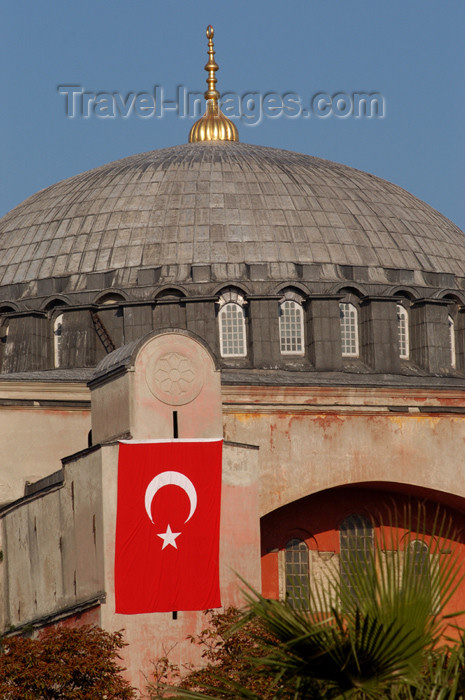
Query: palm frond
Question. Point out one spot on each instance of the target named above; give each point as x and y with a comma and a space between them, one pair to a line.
371, 626
373, 629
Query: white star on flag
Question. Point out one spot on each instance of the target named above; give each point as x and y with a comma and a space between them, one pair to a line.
169, 537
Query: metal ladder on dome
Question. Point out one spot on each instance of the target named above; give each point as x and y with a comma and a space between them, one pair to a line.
102, 332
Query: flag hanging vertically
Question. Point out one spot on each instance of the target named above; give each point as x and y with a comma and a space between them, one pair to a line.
167, 526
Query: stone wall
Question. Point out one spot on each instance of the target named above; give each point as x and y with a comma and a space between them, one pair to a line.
40, 422
316, 438
52, 543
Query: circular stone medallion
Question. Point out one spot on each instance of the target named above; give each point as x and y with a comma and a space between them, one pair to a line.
175, 377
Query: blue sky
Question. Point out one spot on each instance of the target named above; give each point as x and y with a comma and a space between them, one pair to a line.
410, 51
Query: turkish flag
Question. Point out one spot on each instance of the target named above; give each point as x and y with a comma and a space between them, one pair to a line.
167, 526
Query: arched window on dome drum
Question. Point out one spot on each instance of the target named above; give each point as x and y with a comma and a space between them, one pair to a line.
297, 573
110, 298
57, 339
451, 323
291, 328
349, 329
231, 319
4, 327
356, 538
402, 332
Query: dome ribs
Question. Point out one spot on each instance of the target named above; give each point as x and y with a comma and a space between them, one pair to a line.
222, 204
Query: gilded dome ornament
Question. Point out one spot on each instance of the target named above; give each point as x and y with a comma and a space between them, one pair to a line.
213, 126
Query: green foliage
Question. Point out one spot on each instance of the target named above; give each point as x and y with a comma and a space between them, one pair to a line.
231, 647
373, 632
63, 664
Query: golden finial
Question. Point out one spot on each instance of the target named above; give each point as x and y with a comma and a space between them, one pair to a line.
211, 67
213, 126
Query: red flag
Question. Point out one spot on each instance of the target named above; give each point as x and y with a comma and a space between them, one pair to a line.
167, 526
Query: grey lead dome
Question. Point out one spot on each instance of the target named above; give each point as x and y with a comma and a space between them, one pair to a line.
222, 203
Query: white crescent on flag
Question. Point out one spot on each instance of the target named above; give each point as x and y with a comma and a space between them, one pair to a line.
170, 479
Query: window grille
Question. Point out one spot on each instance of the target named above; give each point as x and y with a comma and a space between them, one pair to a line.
420, 572
297, 574
402, 331
231, 320
57, 339
291, 328
356, 537
420, 559
452, 341
349, 329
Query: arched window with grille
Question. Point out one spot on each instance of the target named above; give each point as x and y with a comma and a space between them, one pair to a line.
231, 319
402, 332
291, 328
356, 538
418, 574
297, 573
420, 563
452, 341
349, 329
57, 339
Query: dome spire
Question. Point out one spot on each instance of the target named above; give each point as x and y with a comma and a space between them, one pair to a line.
211, 67
213, 126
